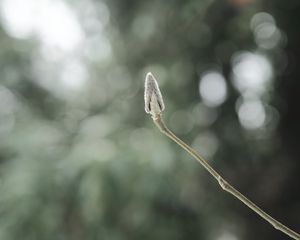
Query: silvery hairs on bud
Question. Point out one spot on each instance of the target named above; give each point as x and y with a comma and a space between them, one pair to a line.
154, 103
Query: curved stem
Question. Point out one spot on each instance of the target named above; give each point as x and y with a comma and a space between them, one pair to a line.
224, 185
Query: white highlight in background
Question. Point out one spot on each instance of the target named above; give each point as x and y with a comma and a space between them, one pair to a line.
53, 22
266, 33
251, 114
252, 73
213, 89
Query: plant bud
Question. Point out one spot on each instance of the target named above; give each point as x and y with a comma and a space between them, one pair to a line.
154, 103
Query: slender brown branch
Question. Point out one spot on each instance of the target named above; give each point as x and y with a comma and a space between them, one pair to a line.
224, 184
154, 105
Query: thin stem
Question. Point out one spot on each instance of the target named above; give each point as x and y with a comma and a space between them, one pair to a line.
224, 184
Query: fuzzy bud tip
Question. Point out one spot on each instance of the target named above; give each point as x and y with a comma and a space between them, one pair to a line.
154, 103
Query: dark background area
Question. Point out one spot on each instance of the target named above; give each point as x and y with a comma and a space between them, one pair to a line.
80, 158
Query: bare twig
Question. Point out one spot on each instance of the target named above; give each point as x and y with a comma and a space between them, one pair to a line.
154, 105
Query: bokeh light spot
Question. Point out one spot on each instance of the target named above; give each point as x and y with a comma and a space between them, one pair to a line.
74, 74
252, 114
266, 34
226, 235
213, 89
53, 22
206, 143
204, 115
251, 72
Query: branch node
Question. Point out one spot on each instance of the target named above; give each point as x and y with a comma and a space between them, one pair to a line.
223, 183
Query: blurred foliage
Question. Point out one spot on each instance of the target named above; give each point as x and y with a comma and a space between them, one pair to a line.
80, 159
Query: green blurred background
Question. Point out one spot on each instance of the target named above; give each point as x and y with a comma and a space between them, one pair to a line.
80, 159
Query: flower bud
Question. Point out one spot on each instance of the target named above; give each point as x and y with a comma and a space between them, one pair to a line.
154, 103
